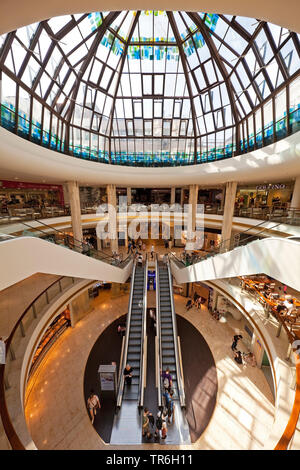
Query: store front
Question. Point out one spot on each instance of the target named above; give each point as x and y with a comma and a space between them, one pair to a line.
53, 332
264, 195
17, 194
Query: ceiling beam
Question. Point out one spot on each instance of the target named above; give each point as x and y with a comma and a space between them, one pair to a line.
122, 62
187, 78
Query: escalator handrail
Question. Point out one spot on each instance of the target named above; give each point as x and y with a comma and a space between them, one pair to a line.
219, 247
158, 334
100, 255
80, 242
143, 365
124, 358
175, 335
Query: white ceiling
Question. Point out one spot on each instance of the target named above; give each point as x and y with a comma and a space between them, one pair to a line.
26, 161
14, 13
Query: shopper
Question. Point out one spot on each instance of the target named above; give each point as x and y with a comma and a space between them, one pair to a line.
128, 374
236, 338
2, 351
152, 252
167, 380
170, 407
159, 423
238, 357
164, 430
145, 426
152, 318
93, 403
189, 304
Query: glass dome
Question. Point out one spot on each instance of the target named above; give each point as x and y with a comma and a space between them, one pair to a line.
150, 88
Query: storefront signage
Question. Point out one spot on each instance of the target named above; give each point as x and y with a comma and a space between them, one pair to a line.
266, 187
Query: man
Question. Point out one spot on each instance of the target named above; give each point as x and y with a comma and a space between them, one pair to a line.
236, 338
152, 251
128, 374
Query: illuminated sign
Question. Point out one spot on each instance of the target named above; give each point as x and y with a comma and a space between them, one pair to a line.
265, 187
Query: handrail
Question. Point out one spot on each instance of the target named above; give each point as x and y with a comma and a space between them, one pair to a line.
220, 248
158, 334
10, 432
69, 237
97, 254
175, 335
123, 362
290, 429
144, 322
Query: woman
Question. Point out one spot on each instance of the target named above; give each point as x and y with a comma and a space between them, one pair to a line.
93, 403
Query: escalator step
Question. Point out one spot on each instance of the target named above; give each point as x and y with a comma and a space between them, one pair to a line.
168, 361
166, 352
167, 331
134, 350
166, 338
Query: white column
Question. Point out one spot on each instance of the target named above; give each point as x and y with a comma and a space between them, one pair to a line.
74, 199
66, 194
181, 197
295, 202
215, 297
128, 196
228, 212
172, 199
223, 197
193, 198
112, 200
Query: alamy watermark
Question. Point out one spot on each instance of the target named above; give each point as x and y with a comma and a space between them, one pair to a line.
139, 221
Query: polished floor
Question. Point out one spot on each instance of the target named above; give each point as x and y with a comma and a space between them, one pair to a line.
56, 411
199, 372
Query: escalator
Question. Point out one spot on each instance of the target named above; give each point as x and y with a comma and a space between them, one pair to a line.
129, 402
136, 335
167, 334
133, 350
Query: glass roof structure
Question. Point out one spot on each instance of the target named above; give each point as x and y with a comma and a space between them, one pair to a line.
151, 88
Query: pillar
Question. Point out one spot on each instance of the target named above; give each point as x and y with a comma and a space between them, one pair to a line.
223, 198
66, 194
228, 213
172, 199
181, 197
112, 200
74, 199
295, 202
129, 196
215, 296
193, 199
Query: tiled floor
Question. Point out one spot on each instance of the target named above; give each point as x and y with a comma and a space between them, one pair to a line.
56, 411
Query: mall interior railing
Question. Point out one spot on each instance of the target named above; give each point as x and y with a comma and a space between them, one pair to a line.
123, 359
143, 363
288, 215
23, 326
59, 237
262, 229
